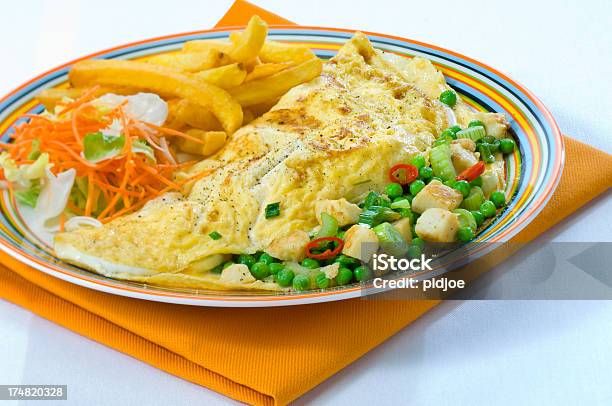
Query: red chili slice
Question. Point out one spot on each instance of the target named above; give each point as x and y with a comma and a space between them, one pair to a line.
327, 253
472, 172
411, 173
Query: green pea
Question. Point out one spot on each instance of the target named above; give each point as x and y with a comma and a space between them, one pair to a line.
246, 259
322, 281
488, 209
416, 187
276, 267
394, 190
362, 274
418, 242
346, 261
266, 258
465, 234
450, 183
448, 97
506, 146
478, 217
455, 129
285, 277
494, 146
463, 186
448, 135
426, 172
345, 276
260, 270
476, 123
498, 199
477, 182
301, 282
414, 251
419, 161
489, 139
310, 263
407, 213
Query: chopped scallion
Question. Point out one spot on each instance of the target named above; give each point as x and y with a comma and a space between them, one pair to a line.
273, 210
401, 204
473, 133
375, 215
215, 235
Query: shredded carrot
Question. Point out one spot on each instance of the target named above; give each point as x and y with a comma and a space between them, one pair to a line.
62, 222
85, 97
90, 194
170, 131
115, 186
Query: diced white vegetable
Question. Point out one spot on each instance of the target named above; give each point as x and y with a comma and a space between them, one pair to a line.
437, 225
465, 143
436, 194
494, 177
463, 158
291, 247
495, 123
360, 242
237, 273
403, 226
331, 271
342, 210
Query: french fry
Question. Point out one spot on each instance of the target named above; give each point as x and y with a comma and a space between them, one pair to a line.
52, 97
191, 61
235, 38
182, 113
203, 45
246, 47
266, 69
278, 52
274, 86
260, 109
250, 65
163, 81
213, 141
247, 116
224, 76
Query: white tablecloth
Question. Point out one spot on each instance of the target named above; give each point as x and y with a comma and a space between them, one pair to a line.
473, 352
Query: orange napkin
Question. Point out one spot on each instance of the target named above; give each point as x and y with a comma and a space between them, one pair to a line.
266, 355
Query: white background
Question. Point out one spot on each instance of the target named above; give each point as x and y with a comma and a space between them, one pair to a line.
494, 352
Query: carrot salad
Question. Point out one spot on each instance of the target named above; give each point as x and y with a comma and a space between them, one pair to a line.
115, 173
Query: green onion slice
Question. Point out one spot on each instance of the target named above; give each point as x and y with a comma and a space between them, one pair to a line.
215, 235
273, 210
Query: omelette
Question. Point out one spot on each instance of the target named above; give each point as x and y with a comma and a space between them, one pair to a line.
332, 139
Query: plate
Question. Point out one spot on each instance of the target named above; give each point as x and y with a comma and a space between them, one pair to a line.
532, 172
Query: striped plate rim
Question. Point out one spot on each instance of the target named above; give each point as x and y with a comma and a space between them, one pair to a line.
533, 172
